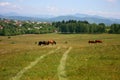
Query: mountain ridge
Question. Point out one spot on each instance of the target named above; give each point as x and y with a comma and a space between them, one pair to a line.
50, 18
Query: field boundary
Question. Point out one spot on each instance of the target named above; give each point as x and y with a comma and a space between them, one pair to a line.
61, 67
19, 74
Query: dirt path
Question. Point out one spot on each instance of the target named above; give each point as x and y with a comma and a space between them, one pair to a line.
61, 67
19, 74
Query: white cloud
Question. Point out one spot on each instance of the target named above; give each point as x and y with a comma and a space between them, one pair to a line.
5, 4
8, 5
52, 8
111, 0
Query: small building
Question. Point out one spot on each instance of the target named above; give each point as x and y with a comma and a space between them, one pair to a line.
1, 27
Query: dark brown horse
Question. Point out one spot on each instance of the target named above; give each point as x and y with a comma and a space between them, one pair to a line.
43, 43
90, 41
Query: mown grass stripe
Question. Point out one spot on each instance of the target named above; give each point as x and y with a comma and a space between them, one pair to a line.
19, 74
61, 67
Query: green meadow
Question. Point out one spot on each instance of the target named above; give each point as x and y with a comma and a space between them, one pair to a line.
100, 61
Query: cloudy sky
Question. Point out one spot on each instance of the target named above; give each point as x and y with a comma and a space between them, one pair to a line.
105, 8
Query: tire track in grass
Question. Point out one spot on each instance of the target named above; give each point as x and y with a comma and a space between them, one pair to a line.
61, 67
19, 74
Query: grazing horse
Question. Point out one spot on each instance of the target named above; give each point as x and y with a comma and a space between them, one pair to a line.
91, 41
98, 41
43, 43
95, 41
52, 42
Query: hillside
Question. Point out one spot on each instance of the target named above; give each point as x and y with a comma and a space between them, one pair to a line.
82, 17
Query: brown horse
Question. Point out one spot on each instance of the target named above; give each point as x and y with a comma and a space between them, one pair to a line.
91, 41
52, 42
98, 41
95, 41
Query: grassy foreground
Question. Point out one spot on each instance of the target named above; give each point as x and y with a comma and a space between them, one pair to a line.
84, 62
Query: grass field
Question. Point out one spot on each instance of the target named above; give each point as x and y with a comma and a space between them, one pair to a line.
20, 57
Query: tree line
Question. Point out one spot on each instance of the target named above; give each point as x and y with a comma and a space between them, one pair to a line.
73, 26
14, 27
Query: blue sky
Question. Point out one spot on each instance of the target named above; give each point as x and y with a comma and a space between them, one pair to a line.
105, 8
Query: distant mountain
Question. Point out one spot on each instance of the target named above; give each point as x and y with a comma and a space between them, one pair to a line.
81, 15
1, 16
11, 14
66, 18
50, 18
86, 15
23, 18
90, 19
44, 16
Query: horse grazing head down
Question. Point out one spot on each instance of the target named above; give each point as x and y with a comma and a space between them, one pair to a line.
95, 41
91, 41
43, 43
52, 42
98, 41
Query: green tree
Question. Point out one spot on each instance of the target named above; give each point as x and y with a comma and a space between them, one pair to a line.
115, 28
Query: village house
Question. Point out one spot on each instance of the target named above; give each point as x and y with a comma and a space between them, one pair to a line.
1, 27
